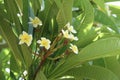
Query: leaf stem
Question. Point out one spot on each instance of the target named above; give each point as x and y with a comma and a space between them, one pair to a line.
41, 63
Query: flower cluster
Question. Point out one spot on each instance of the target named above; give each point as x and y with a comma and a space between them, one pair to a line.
27, 38
68, 33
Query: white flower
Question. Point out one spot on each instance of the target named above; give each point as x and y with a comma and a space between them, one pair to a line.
25, 73
70, 28
44, 42
35, 22
25, 38
72, 37
66, 34
74, 48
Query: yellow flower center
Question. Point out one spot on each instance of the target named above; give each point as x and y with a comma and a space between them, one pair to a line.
74, 48
70, 29
25, 38
66, 34
36, 21
44, 43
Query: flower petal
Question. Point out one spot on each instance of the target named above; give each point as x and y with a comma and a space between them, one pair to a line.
39, 41
21, 42
74, 48
44, 42
25, 38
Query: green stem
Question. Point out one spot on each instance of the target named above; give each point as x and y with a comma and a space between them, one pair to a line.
41, 63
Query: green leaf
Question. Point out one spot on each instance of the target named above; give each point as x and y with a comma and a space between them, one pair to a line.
36, 5
2, 76
87, 38
58, 3
3, 46
12, 11
99, 62
12, 76
112, 64
105, 19
31, 14
13, 64
25, 17
67, 79
91, 72
11, 39
27, 12
111, 0
115, 9
27, 55
40, 76
48, 17
99, 49
100, 4
65, 13
19, 4
86, 20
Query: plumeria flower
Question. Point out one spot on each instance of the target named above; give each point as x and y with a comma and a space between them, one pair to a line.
35, 22
74, 48
44, 42
70, 28
25, 38
66, 34
72, 37
25, 73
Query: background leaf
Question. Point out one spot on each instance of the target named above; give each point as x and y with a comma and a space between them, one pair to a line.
13, 11
100, 4
86, 20
40, 76
113, 65
11, 40
99, 49
106, 20
92, 72
65, 13
27, 55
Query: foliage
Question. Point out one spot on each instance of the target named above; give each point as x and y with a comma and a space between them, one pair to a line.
38, 40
